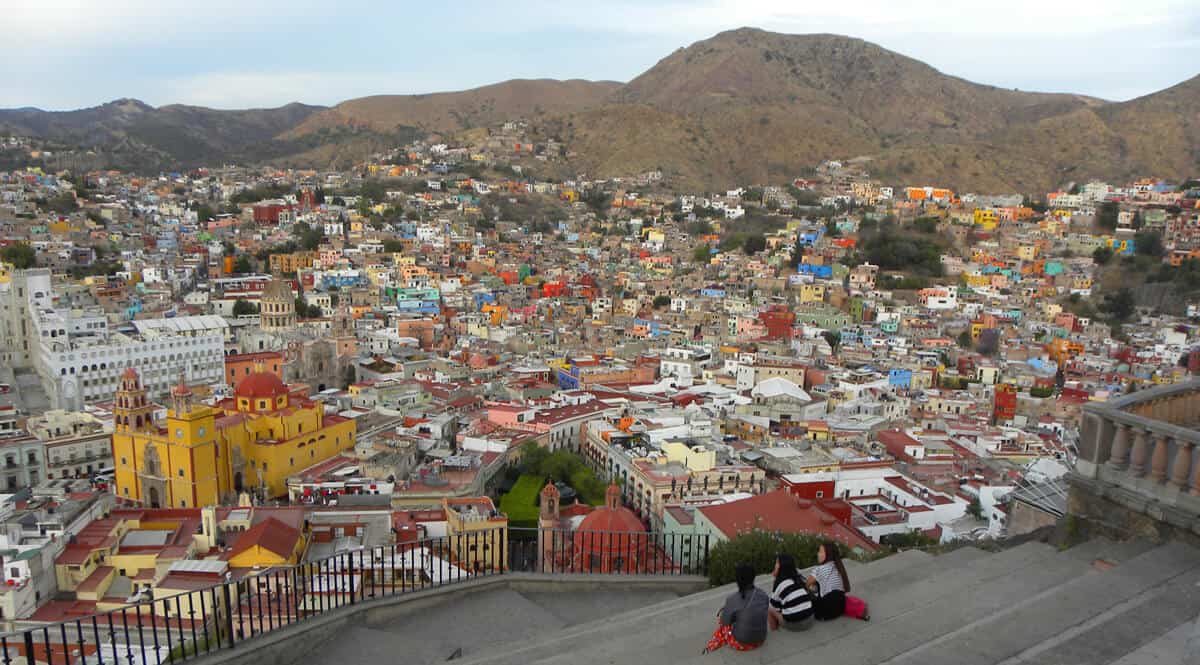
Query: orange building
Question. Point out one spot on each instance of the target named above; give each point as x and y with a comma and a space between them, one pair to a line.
240, 365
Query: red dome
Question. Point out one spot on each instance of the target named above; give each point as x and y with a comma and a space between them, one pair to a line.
612, 520
129, 373
261, 384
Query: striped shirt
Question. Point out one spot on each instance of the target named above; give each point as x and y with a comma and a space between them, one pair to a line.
791, 598
828, 578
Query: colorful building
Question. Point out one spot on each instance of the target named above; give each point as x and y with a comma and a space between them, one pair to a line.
203, 455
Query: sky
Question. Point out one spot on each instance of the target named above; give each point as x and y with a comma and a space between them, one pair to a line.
62, 54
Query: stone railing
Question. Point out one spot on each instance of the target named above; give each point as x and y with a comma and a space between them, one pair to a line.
1143, 450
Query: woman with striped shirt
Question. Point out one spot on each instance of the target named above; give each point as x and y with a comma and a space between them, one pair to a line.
829, 582
791, 606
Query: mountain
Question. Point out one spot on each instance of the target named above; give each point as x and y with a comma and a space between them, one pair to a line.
452, 111
138, 135
745, 106
755, 106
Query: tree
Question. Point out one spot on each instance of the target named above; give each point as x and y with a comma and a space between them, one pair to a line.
702, 254
975, 509
989, 342
1107, 214
243, 265
204, 213
1102, 255
310, 237
392, 246
20, 255
1120, 305
661, 301
243, 307
964, 339
833, 339
1148, 243
754, 244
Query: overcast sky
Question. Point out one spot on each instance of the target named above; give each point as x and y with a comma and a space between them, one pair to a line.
59, 54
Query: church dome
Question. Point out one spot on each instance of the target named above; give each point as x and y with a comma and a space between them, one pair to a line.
261, 384
612, 538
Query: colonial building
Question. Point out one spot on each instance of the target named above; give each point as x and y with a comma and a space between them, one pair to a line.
202, 455
278, 306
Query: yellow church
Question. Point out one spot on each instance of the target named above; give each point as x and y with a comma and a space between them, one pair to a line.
203, 455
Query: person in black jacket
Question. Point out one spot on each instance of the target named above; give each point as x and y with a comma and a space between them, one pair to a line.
791, 606
742, 622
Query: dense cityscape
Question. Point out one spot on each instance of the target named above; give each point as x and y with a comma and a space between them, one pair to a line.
446, 362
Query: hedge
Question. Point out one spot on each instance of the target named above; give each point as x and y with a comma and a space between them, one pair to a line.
759, 548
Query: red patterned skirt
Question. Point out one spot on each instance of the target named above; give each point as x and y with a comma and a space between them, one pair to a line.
724, 636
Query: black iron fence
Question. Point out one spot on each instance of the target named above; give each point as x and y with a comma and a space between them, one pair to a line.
198, 617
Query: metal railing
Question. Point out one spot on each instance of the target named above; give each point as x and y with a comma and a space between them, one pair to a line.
187, 625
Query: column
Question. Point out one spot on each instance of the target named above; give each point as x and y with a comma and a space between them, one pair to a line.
1195, 480
1182, 465
1158, 461
1137, 461
1119, 457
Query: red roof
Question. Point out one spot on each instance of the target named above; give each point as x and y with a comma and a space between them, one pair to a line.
781, 511
269, 534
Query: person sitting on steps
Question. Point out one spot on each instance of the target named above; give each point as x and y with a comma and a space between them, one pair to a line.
791, 606
742, 622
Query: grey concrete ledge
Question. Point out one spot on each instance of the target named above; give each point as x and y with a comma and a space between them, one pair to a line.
286, 645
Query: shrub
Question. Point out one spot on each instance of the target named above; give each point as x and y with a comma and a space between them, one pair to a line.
758, 548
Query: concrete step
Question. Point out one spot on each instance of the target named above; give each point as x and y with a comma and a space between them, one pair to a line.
488, 619
1078, 621
709, 599
1169, 649
891, 564
1109, 550
678, 631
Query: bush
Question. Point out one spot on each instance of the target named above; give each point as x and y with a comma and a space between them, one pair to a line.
1041, 392
758, 548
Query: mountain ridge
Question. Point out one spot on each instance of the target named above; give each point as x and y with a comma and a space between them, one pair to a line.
745, 105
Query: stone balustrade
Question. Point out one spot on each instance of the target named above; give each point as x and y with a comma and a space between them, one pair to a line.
1143, 450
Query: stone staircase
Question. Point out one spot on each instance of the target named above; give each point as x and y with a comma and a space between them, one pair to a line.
1098, 603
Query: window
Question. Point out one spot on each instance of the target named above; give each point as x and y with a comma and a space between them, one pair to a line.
820, 494
181, 473
179, 433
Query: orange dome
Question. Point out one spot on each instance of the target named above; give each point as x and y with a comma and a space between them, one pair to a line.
611, 520
261, 384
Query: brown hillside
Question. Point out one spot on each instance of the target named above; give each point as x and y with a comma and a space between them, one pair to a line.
452, 111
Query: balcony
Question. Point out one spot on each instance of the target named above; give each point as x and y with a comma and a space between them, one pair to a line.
1142, 451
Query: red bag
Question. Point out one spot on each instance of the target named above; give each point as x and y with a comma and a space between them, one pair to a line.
856, 608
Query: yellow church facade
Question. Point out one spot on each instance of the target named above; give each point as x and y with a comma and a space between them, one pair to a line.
203, 455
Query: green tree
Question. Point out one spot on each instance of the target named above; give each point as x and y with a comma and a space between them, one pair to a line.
243, 307
1119, 305
1102, 255
393, 246
832, 338
964, 339
1148, 243
702, 253
975, 509
204, 213
20, 255
754, 244
243, 265
1107, 214
661, 301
